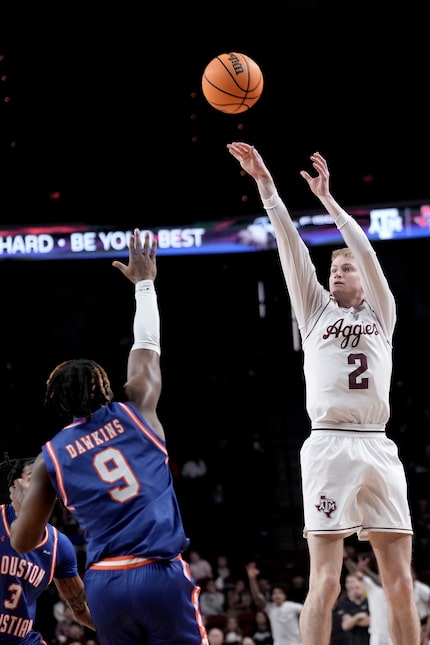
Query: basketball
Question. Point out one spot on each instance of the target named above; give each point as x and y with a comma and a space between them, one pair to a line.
232, 83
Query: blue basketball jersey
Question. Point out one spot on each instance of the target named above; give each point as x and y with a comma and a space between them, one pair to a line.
24, 577
112, 473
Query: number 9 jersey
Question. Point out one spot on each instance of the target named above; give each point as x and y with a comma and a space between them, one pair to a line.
112, 473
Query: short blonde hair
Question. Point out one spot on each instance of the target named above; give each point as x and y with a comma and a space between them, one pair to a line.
345, 251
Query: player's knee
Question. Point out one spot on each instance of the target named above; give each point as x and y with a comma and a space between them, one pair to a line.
399, 589
327, 587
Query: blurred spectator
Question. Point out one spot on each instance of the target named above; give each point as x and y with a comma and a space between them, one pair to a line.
76, 635
239, 598
283, 613
264, 587
211, 600
233, 633
222, 572
216, 636
298, 589
58, 610
200, 568
366, 570
263, 633
62, 627
352, 610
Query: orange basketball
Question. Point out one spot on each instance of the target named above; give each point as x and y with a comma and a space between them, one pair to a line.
232, 83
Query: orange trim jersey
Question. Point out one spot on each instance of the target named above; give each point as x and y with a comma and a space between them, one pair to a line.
25, 576
112, 472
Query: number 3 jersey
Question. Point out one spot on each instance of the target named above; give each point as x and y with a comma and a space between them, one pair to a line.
24, 577
112, 473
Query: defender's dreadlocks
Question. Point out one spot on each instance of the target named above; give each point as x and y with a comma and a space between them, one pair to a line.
77, 388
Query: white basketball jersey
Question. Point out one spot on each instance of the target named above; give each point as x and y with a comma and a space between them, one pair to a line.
347, 352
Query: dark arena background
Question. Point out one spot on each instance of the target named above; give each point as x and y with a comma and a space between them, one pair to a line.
104, 125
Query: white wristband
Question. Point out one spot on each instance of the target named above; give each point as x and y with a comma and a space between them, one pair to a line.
146, 325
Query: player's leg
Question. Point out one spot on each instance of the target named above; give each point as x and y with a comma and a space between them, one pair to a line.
326, 558
393, 552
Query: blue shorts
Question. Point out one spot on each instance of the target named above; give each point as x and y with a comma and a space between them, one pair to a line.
156, 603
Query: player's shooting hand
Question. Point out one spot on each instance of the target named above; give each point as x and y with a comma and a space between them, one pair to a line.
249, 159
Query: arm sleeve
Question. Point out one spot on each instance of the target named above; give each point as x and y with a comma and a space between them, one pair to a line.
375, 284
146, 325
304, 289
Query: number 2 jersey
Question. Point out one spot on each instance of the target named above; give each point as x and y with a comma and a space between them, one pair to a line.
347, 351
24, 577
112, 473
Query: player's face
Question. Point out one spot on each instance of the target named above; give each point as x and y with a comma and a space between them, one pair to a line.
344, 277
16, 493
26, 472
25, 475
